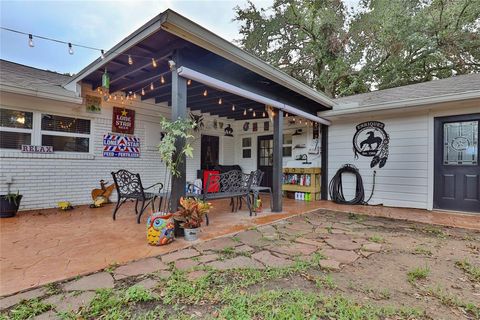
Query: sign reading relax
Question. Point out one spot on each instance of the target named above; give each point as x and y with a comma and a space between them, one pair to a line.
27, 148
123, 120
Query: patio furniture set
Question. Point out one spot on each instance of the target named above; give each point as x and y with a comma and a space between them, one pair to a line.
233, 184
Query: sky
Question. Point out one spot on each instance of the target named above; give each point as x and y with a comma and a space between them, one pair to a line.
99, 24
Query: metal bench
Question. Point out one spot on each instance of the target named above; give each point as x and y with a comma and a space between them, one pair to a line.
129, 187
231, 184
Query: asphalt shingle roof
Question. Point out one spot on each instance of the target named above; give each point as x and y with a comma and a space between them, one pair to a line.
434, 88
25, 77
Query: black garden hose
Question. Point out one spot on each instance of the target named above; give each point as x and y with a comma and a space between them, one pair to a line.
336, 189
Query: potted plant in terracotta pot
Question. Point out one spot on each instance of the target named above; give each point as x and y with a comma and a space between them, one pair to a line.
9, 204
191, 215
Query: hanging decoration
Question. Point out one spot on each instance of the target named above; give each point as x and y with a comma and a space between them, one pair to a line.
228, 131
371, 140
93, 104
123, 120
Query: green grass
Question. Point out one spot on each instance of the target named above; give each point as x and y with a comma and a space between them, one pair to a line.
376, 239
436, 231
418, 273
451, 300
111, 267
139, 294
422, 251
325, 281
472, 271
28, 309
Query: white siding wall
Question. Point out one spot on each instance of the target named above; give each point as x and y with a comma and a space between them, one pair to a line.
406, 180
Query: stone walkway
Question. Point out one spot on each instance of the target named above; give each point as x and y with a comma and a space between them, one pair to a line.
339, 239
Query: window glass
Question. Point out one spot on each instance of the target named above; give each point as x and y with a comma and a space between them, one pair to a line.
65, 124
14, 140
247, 153
69, 144
287, 151
287, 139
246, 142
16, 119
460, 143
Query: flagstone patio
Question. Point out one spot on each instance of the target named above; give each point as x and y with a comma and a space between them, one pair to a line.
43, 246
367, 258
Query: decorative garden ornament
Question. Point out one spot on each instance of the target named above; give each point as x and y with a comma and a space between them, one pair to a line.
160, 229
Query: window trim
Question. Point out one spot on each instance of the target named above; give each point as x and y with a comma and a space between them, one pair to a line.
37, 132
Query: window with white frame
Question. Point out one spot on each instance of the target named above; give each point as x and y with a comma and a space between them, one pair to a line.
64, 134
16, 128
287, 145
246, 148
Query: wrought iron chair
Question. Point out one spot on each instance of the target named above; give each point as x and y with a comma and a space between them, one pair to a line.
129, 187
256, 188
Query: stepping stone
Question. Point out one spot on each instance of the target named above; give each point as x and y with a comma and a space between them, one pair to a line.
147, 283
366, 254
372, 223
342, 256
343, 244
208, 257
101, 280
217, 244
16, 298
181, 254
310, 242
294, 249
71, 301
236, 263
252, 238
163, 274
49, 315
139, 267
267, 230
270, 260
194, 275
186, 264
244, 248
329, 264
372, 247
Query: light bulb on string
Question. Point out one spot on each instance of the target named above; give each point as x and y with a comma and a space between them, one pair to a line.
220, 101
286, 114
189, 81
143, 91
205, 93
244, 112
70, 48
293, 119
254, 114
263, 114
233, 107
134, 95
130, 60
162, 80
102, 54
154, 63
151, 86
115, 97
30, 41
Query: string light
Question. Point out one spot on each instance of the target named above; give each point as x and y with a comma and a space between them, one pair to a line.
70, 48
189, 81
130, 60
244, 112
205, 93
115, 97
102, 54
162, 80
151, 86
134, 95
143, 91
263, 114
154, 63
286, 114
254, 114
233, 107
220, 101
30, 41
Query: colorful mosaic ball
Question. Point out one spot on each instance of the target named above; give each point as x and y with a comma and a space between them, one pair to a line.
160, 229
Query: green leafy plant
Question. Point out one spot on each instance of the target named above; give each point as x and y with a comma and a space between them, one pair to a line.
472, 270
12, 197
28, 309
191, 212
418, 273
174, 131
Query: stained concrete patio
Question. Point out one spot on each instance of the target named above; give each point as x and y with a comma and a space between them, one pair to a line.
43, 246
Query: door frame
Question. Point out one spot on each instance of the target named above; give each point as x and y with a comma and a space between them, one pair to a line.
437, 153
265, 137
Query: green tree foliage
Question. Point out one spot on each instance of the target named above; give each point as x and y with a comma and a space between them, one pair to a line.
378, 44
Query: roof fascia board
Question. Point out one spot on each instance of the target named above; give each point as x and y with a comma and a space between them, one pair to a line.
146, 30
188, 30
407, 103
41, 94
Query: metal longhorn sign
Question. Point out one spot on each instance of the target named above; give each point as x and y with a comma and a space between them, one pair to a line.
120, 146
371, 140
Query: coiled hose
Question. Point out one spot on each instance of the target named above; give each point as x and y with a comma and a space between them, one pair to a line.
336, 189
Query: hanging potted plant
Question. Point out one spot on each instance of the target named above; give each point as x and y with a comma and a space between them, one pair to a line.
172, 131
191, 215
9, 204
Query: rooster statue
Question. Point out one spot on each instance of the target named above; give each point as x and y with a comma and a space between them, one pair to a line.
160, 229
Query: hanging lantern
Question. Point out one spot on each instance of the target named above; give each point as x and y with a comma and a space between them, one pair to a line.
105, 80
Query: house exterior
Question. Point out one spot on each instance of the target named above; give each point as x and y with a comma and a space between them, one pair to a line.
417, 172
59, 133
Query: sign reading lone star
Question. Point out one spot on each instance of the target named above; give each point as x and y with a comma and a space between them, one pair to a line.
119, 146
123, 120
371, 140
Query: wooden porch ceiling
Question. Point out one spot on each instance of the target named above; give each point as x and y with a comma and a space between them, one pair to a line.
162, 46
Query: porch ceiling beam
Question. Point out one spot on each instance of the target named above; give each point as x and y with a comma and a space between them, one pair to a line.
162, 94
142, 81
